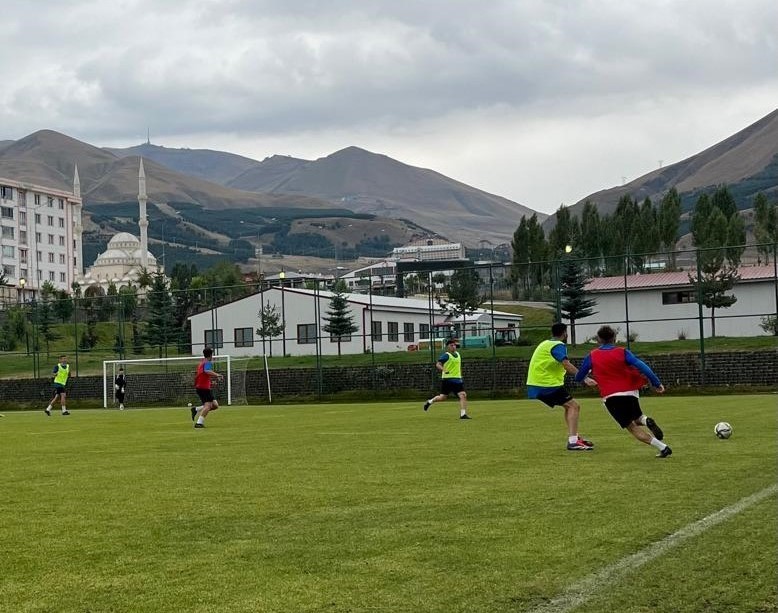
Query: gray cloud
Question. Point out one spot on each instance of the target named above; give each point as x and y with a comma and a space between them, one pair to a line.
381, 71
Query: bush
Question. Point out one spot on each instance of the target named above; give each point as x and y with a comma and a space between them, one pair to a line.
770, 324
681, 334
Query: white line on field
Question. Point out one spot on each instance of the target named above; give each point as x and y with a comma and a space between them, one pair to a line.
576, 594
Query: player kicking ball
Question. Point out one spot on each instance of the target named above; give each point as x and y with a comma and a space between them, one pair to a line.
203, 380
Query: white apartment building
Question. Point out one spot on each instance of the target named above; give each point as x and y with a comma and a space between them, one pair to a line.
40, 237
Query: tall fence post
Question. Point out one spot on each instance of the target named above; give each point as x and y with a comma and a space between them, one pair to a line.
700, 317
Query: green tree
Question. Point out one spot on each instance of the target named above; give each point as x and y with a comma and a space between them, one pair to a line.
590, 246
626, 227
464, 297
669, 217
340, 321
765, 225
63, 306
575, 301
46, 315
159, 326
566, 232
270, 325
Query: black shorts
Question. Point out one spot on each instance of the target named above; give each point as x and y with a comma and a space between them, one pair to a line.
447, 386
58, 389
624, 409
205, 395
556, 398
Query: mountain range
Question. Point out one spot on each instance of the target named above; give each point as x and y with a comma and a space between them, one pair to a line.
350, 202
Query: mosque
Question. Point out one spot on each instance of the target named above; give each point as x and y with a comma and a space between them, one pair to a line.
126, 255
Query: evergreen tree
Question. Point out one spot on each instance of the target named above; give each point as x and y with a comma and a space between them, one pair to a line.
646, 240
591, 242
520, 262
566, 232
271, 325
159, 327
575, 301
340, 320
46, 314
63, 306
669, 222
765, 226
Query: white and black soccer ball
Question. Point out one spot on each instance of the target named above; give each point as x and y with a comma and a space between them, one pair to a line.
723, 429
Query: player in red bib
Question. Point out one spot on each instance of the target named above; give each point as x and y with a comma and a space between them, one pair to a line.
203, 378
620, 375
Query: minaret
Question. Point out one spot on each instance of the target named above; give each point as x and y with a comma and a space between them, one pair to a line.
78, 229
142, 221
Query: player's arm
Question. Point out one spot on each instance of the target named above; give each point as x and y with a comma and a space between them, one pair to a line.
441, 360
631, 359
212, 373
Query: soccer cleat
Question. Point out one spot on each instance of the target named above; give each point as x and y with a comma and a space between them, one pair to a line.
583, 441
193, 410
48, 412
666, 452
465, 416
65, 412
578, 446
655, 429
426, 405
199, 426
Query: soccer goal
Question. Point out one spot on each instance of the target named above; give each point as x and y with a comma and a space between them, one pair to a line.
171, 380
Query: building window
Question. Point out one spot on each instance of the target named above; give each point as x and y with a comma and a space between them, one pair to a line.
7, 232
8, 251
61, 204
51, 275
376, 330
61, 241
61, 258
37, 217
51, 239
683, 297
214, 338
38, 256
40, 275
306, 334
23, 272
61, 222
407, 333
6, 212
9, 271
51, 258
50, 219
244, 337
6, 192
23, 237
62, 277
23, 218
346, 338
37, 199
393, 331
424, 331
23, 256
50, 201
37, 237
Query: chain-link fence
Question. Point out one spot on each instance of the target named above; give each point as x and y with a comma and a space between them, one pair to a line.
397, 324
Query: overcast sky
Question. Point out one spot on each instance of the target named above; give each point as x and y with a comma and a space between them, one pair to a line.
540, 101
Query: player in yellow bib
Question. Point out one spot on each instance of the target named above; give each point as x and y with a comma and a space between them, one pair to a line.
546, 382
61, 374
450, 366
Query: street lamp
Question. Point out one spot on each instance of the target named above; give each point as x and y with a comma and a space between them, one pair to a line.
568, 251
281, 277
22, 283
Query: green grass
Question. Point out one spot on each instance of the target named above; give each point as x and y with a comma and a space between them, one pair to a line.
382, 507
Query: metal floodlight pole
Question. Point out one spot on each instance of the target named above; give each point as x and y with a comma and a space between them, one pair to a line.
700, 318
626, 301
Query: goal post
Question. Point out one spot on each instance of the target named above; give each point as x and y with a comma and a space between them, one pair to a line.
171, 380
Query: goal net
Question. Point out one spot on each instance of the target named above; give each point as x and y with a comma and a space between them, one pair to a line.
155, 381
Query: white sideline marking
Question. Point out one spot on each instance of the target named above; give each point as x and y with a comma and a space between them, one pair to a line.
577, 593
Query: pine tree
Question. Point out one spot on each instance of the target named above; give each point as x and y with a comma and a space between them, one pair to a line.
340, 320
271, 325
575, 301
159, 327
765, 225
669, 222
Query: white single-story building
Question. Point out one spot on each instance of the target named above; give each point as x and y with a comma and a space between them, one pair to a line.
396, 324
662, 306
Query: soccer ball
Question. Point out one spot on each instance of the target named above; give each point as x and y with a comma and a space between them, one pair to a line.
723, 430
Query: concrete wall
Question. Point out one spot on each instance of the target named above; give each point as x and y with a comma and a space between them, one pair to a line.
746, 368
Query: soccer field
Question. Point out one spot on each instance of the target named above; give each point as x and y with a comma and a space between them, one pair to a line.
382, 507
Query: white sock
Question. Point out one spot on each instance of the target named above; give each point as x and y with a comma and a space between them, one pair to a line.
462, 412
48, 408
64, 409
200, 420
572, 439
657, 443
431, 400
642, 420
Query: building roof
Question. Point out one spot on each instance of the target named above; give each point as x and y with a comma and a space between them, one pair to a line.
669, 279
123, 237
